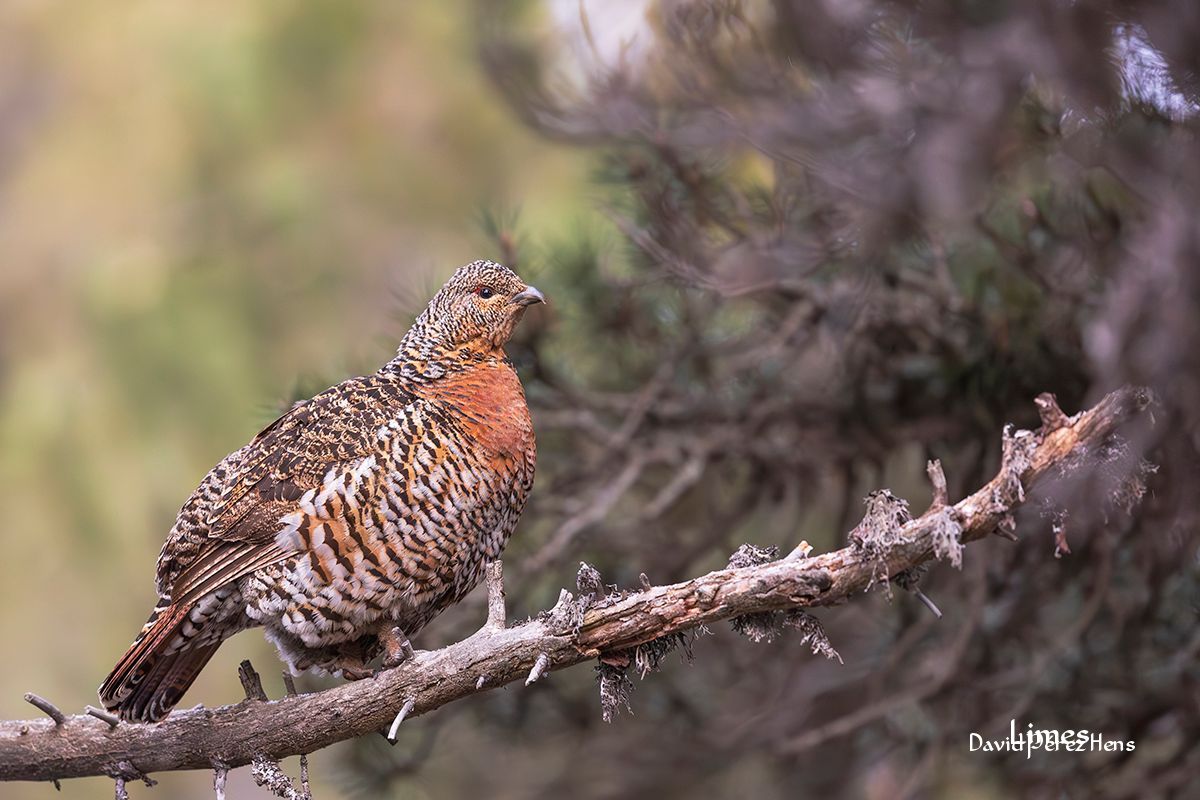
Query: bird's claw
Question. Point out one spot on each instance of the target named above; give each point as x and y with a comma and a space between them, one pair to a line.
396, 648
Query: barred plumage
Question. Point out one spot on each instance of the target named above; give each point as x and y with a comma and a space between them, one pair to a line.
358, 515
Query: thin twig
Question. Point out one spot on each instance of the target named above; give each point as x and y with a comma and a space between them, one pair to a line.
539, 668
941, 495
404, 711
112, 719
45, 705
220, 774
924, 598
1005, 533
251, 681
687, 477
269, 775
1052, 416
289, 685
123, 772
497, 615
801, 550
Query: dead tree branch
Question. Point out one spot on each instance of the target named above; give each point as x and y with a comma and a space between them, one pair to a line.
259, 732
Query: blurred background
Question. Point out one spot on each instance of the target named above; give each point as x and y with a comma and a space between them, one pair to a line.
793, 250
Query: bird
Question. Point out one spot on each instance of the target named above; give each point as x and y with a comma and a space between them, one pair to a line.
357, 516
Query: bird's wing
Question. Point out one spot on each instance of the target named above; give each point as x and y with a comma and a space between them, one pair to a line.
236, 511
221, 563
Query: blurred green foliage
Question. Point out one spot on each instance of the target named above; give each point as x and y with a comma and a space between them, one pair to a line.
206, 210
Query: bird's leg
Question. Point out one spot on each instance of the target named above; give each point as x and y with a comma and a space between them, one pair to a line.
396, 647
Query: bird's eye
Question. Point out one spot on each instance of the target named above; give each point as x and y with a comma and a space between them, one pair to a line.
484, 291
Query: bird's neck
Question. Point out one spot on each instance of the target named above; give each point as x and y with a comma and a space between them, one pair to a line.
424, 358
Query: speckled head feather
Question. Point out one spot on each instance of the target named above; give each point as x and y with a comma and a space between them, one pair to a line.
469, 319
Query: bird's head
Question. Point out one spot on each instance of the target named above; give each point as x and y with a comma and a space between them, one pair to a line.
472, 315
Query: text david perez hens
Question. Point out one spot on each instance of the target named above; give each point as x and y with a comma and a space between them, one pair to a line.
1071, 741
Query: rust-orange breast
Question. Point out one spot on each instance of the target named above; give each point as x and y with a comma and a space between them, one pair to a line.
493, 410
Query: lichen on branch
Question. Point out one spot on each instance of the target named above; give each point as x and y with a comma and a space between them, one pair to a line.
640, 626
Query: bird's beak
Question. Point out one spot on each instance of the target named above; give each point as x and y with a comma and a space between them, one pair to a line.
528, 297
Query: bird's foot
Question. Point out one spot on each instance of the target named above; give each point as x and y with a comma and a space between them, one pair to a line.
353, 663
356, 673
396, 648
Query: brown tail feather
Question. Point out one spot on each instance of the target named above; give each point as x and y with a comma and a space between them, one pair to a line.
165, 685
146, 683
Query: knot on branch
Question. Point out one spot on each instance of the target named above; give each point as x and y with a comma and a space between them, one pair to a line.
567, 614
